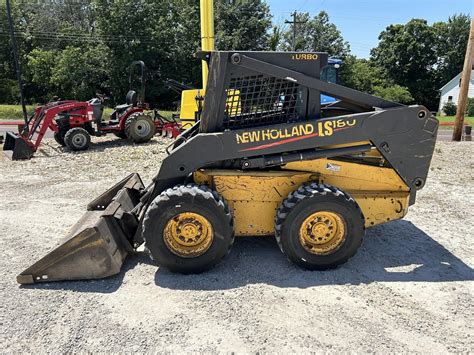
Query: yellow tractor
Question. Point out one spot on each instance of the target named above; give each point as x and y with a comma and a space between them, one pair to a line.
264, 158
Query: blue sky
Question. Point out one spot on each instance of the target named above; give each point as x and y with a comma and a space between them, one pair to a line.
361, 21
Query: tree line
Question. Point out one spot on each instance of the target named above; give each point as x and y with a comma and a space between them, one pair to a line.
75, 48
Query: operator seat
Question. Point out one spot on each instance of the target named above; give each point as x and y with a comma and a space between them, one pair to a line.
131, 100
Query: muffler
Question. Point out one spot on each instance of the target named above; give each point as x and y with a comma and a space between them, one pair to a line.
98, 243
16, 147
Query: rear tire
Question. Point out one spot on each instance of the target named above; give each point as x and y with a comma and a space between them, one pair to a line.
77, 139
188, 229
319, 226
59, 138
140, 127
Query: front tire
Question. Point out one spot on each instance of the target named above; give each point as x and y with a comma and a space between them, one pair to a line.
319, 226
188, 229
139, 127
77, 139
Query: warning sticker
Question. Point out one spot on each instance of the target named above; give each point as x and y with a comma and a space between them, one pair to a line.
333, 167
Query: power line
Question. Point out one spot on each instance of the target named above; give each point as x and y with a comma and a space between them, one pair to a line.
302, 6
78, 35
346, 15
85, 39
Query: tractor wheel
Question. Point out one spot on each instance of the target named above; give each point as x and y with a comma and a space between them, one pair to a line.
319, 227
188, 229
139, 127
59, 138
121, 135
77, 139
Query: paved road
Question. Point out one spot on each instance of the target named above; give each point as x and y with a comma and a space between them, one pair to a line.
445, 135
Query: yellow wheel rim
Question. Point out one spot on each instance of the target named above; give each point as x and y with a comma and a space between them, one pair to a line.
322, 233
188, 235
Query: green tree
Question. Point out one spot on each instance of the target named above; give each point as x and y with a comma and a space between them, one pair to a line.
40, 65
41, 27
450, 45
275, 38
362, 74
8, 84
242, 24
71, 73
187, 41
137, 30
422, 57
54, 24
80, 72
317, 34
407, 55
165, 35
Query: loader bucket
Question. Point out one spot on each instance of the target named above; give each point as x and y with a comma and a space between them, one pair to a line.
98, 243
16, 148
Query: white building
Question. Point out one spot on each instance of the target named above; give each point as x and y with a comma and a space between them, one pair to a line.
450, 91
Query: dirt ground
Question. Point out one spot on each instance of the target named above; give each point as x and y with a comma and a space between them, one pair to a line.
410, 287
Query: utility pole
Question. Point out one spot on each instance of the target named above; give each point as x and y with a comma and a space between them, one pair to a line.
464, 90
294, 23
17, 61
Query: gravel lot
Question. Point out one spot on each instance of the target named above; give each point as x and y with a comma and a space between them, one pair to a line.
410, 287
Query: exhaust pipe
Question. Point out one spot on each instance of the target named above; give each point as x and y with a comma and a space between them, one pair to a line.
17, 147
98, 243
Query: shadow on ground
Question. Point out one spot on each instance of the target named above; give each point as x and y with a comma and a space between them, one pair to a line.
398, 251
394, 252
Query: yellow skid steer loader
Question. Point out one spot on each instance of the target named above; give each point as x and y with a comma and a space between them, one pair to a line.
265, 158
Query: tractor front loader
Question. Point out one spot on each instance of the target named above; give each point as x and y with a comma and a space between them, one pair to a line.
74, 122
23, 145
265, 158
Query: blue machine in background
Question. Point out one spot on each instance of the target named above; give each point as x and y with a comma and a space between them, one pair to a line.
330, 74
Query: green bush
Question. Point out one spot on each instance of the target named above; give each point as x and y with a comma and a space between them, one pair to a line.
450, 109
470, 107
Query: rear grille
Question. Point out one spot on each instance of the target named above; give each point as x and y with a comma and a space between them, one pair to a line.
261, 100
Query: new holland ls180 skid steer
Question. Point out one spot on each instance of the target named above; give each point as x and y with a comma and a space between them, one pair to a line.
265, 158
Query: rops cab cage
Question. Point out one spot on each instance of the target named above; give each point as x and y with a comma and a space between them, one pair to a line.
266, 158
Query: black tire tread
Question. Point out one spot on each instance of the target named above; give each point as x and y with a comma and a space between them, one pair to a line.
307, 191
70, 133
128, 123
192, 189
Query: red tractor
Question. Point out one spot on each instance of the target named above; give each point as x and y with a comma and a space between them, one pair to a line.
74, 122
